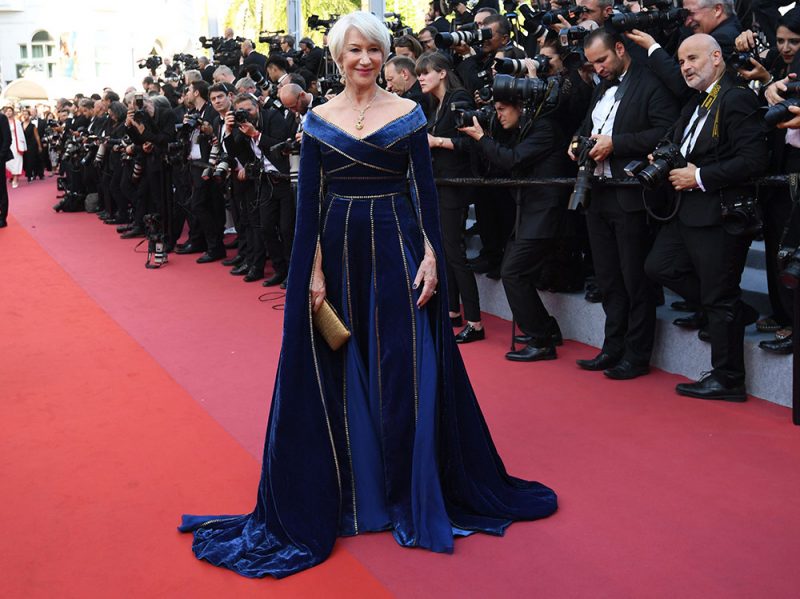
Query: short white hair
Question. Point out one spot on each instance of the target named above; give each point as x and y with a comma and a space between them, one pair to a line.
367, 24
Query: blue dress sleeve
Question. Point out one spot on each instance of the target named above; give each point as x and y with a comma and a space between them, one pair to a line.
423, 189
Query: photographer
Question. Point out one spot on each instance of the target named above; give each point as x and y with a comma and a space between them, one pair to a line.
151, 128
401, 78
777, 202
206, 70
699, 254
277, 68
426, 37
408, 46
224, 74
242, 129
252, 59
112, 169
437, 79
715, 18
629, 112
535, 148
207, 203
310, 57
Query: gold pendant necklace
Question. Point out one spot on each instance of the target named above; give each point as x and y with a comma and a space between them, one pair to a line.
361, 112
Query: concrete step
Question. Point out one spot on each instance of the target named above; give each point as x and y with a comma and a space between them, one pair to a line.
676, 350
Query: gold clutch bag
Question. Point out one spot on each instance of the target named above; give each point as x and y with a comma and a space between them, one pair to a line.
330, 326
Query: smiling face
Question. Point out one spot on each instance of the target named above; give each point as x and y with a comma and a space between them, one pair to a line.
700, 63
361, 58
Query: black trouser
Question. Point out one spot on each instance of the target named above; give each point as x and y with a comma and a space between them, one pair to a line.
181, 211
121, 201
243, 193
522, 264
276, 216
704, 265
208, 207
777, 207
109, 204
4, 195
460, 278
495, 215
620, 242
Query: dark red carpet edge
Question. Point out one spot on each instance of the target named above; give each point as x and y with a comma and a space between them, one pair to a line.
661, 496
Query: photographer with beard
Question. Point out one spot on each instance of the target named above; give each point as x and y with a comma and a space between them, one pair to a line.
531, 148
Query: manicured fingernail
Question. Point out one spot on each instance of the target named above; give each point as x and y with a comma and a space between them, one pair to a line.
415, 285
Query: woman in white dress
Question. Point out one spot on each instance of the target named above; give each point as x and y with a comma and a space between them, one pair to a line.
18, 147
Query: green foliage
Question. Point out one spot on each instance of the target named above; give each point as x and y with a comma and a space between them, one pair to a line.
248, 17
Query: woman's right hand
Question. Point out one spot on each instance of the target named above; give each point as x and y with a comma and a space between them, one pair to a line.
745, 41
317, 290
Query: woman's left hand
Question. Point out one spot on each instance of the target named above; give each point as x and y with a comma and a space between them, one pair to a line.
475, 131
426, 276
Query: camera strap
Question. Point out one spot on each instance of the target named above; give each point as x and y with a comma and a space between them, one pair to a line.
618, 95
702, 110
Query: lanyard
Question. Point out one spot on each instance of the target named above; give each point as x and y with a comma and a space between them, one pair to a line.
702, 110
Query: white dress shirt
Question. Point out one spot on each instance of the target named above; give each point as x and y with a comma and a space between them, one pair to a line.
603, 115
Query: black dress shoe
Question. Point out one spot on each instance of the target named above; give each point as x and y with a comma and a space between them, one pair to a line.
469, 334
696, 321
188, 249
782, 347
235, 261
253, 275
206, 258
103, 215
456, 321
704, 335
232, 245
625, 371
240, 270
530, 353
593, 296
275, 279
132, 233
710, 388
3, 223
59, 206
124, 228
601, 361
480, 265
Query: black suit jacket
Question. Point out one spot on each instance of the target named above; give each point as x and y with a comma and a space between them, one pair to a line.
645, 114
541, 152
277, 128
666, 67
5, 141
729, 161
415, 93
441, 123
208, 74
208, 114
313, 60
256, 59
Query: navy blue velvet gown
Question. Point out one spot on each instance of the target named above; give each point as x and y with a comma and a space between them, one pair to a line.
386, 433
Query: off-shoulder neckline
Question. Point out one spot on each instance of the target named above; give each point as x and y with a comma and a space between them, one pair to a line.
370, 134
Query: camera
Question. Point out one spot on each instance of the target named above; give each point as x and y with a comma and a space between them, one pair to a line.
463, 113
138, 169
188, 61
222, 168
529, 91
471, 38
152, 63
741, 60
532, 21
252, 170
570, 13
227, 52
273, 38
290, 146
192, 122
314, 22
666, 157
241, 116
780, 113
485, 79
741, 216
580, 147
665, 16
517, 68
394, 23
330, 83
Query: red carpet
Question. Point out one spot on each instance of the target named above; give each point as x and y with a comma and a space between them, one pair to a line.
114, 376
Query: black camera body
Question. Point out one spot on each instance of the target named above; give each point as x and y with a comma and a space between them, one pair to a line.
152, 63
780, 113
741, 216
192, 122
314, 22
570, 13
530, 92
664, 17
485, 80
580, 147
666, 157
241, 116
290, 146
463, 114
471, 38
253, 170
741, 60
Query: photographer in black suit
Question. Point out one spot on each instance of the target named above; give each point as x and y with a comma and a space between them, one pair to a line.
310, 56
717, 18
629, 112
5, 154
206, 199
535, 148
401, 78
721, 135
252, 59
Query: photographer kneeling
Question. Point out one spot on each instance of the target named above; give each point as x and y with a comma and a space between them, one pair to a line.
533, 148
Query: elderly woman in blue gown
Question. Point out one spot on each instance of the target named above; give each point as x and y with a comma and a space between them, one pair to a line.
385, 433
